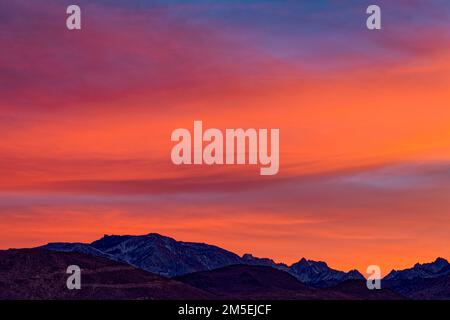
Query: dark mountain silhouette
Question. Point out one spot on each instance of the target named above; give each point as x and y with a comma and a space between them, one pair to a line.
314, 273
166, 256
423, 281
439, 267
80, 248
170, 258
422, 288
318, 274
41, 274
249, 282
357, 290
155, 253
263, 282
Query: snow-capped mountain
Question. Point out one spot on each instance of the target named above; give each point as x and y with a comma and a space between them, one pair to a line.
41, 274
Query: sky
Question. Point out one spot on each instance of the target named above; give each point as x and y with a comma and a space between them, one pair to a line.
86, 118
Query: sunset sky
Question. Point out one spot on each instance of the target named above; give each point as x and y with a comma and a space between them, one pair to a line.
364, 118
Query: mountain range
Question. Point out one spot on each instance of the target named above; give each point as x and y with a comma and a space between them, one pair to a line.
421, 281
40, 274
131, 267
267, 283
167, 257
37, 274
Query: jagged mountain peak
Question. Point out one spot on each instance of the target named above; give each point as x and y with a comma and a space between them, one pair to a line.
355, 273
303, 262
319, 274
436, 264
430, 280
250, 257
438, 267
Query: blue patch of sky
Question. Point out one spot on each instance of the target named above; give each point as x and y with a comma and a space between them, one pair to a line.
321, 33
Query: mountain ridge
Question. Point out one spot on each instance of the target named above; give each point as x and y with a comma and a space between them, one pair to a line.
168, 257
40, 274
429, 280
